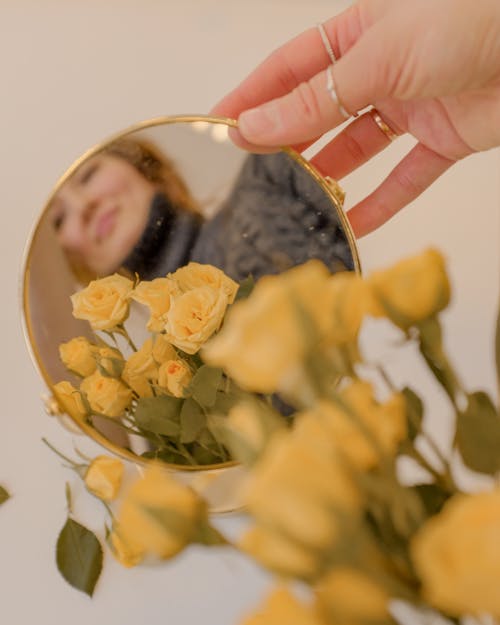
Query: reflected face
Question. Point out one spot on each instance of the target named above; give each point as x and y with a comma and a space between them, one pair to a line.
100, 213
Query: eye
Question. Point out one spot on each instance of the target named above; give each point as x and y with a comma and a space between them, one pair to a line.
88, 172
58, 221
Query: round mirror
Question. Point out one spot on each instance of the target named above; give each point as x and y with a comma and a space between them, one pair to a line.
158, 196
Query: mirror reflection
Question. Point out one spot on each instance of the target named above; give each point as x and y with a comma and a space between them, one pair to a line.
164, 194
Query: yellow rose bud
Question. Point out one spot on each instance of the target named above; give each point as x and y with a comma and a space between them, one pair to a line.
156, 295
457, 555
110, 360
104, 477
141, 370
279, 554
103, 303
370, 429
265, 338
107, 396
345, 595
127, 552
163, 350
78, 355
160, 515
69, 399
175, 376
413, 290
282, 608
194, 316
194, 275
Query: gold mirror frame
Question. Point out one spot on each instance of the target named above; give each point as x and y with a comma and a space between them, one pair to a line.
329, 186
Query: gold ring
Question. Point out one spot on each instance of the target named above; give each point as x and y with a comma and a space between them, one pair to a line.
326, 43
383, 126
330, 87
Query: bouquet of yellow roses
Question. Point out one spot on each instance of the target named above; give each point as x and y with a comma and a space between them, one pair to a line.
161, 390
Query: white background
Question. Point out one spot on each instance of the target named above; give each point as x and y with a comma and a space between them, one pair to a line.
73, 73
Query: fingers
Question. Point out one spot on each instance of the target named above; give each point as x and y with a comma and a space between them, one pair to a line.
295, 62
355, 145
417, 171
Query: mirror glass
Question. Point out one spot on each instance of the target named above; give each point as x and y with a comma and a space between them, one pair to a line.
164, 193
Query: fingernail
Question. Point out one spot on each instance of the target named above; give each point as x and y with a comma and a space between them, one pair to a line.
259, 122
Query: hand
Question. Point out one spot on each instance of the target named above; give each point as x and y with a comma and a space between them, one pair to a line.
430, 67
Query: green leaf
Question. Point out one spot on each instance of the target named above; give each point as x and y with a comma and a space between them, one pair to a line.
4, 495
431, 348
159, 415
79, 556
209, 536
432, 496
114, 367
246, 287
193, 421
204, 385
478, 434
414, 412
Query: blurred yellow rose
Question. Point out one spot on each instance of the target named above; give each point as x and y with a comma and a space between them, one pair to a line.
278, 553
103, 303
283, 608
163, 350
345, 596
265, 337
127, 552
160, 515
79, 356
457, 555
412, 290
156, 295
349, 299
175, 376
194, 316
141, 370
69, 399
364, 428
194, 275
103, 477
107, 396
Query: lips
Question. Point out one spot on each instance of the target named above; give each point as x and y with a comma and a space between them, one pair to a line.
105, 224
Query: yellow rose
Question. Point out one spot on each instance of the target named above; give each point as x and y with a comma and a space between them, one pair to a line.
163, 350
127, 552
103, 303
69, 399
103, 477
457, 555
78, 355
365, 425
264, 338
110, 360
282, 608
141, 370
413, 290
194, 275
194, 316
347, 596
349, 301
160, 515
107, 396
175, 376
156, 295
278, 553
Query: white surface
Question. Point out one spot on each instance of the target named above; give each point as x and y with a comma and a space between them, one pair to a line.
73, 73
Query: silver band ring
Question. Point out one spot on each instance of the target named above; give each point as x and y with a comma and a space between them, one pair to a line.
330, 87
383, 126
326, 43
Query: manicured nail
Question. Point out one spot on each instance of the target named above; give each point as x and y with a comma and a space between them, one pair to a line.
259, 122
